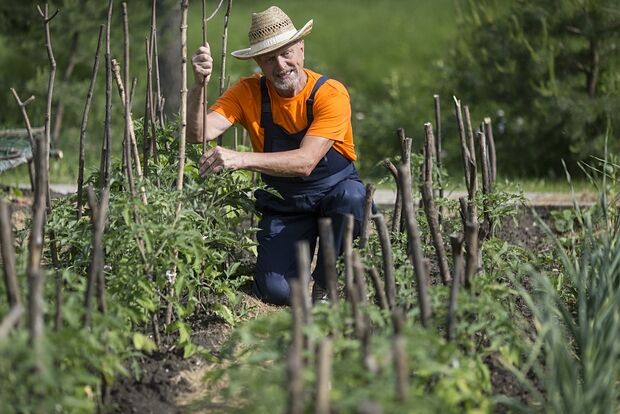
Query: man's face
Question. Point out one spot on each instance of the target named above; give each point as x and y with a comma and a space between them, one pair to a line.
284, 68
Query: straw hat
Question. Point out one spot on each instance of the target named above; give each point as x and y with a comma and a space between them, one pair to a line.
270, 30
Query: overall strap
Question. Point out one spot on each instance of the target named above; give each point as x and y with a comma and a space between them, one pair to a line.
310, 100
265, 103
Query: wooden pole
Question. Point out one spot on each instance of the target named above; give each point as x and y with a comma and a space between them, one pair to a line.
11, 320
89, 98
388, 260
380, 298
148, 104
401, 367
456, 242
22, 108
347, 248
205, 104
184, 7
326, 240
8, 256
223, 61
302, 253
430, 209
414, 248
438, 147
294, 360
323, 376
463, 139
370, 191
398, 204
488, 131
95, 270
106, 146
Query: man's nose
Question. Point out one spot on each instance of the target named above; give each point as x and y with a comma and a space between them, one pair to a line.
281, 62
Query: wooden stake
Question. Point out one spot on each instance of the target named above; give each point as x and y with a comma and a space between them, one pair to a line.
184, 7
11, 320
223, 60
415, 248
370, 191
133, 145
8, 256
148, 104
471, 251
486, 178
463, 139
326, 240
294, 360
398, 205
388, 260
380, 298
456, 242
205, 105
95, 270
438, 147
347, 247
432, 215
323, 376
302, 250
89, 98
399, 352
22, 108
488, 131
127, 103
106, 146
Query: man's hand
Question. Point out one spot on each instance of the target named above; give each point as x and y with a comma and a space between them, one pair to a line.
202, 64
218, 159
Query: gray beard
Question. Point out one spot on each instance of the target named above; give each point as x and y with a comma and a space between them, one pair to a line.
286, 84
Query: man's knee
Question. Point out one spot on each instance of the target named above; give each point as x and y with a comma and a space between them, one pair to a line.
347, 198
271, 288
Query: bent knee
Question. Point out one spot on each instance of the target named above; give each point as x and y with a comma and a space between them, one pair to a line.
272, 288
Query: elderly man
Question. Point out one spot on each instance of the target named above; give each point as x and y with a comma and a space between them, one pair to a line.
300, 127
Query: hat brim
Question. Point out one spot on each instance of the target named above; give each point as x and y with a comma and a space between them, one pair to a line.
250, 53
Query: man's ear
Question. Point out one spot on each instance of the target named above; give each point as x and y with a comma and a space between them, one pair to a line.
301, 46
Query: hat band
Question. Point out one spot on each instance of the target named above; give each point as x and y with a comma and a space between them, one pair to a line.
282, 37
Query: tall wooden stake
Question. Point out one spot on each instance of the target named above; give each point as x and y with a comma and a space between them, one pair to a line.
223, 59
370, 191
429, 206
456, 242
89, 98
388, 260
184, 7
106, 146
326, 240
415, 247
205, 104
8, 256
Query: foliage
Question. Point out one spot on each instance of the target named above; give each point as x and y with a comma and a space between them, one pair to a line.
443, 376
549, 69
189, 250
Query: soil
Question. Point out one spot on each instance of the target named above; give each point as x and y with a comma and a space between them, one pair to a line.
167, 383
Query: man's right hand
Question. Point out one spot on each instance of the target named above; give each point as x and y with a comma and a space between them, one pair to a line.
202, 64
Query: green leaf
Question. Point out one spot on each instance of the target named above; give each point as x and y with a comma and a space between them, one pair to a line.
143, 343
225, 313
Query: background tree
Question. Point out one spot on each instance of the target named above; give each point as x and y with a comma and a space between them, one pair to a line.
549, 69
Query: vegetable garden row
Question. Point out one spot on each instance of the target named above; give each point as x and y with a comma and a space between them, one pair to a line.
423, 307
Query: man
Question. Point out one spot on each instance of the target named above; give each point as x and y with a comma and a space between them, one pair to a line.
300, 127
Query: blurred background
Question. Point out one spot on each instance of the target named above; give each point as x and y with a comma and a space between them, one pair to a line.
547, 72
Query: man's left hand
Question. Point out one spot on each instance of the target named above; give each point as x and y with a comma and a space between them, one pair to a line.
218, 159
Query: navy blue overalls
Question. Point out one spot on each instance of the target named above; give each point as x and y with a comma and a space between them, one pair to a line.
332, 190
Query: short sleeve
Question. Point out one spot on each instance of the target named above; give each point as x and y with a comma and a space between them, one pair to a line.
332, 112
233, 101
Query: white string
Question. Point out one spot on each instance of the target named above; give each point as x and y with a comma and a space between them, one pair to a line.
216, 10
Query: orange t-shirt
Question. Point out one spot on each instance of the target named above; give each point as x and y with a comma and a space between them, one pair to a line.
332, 111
